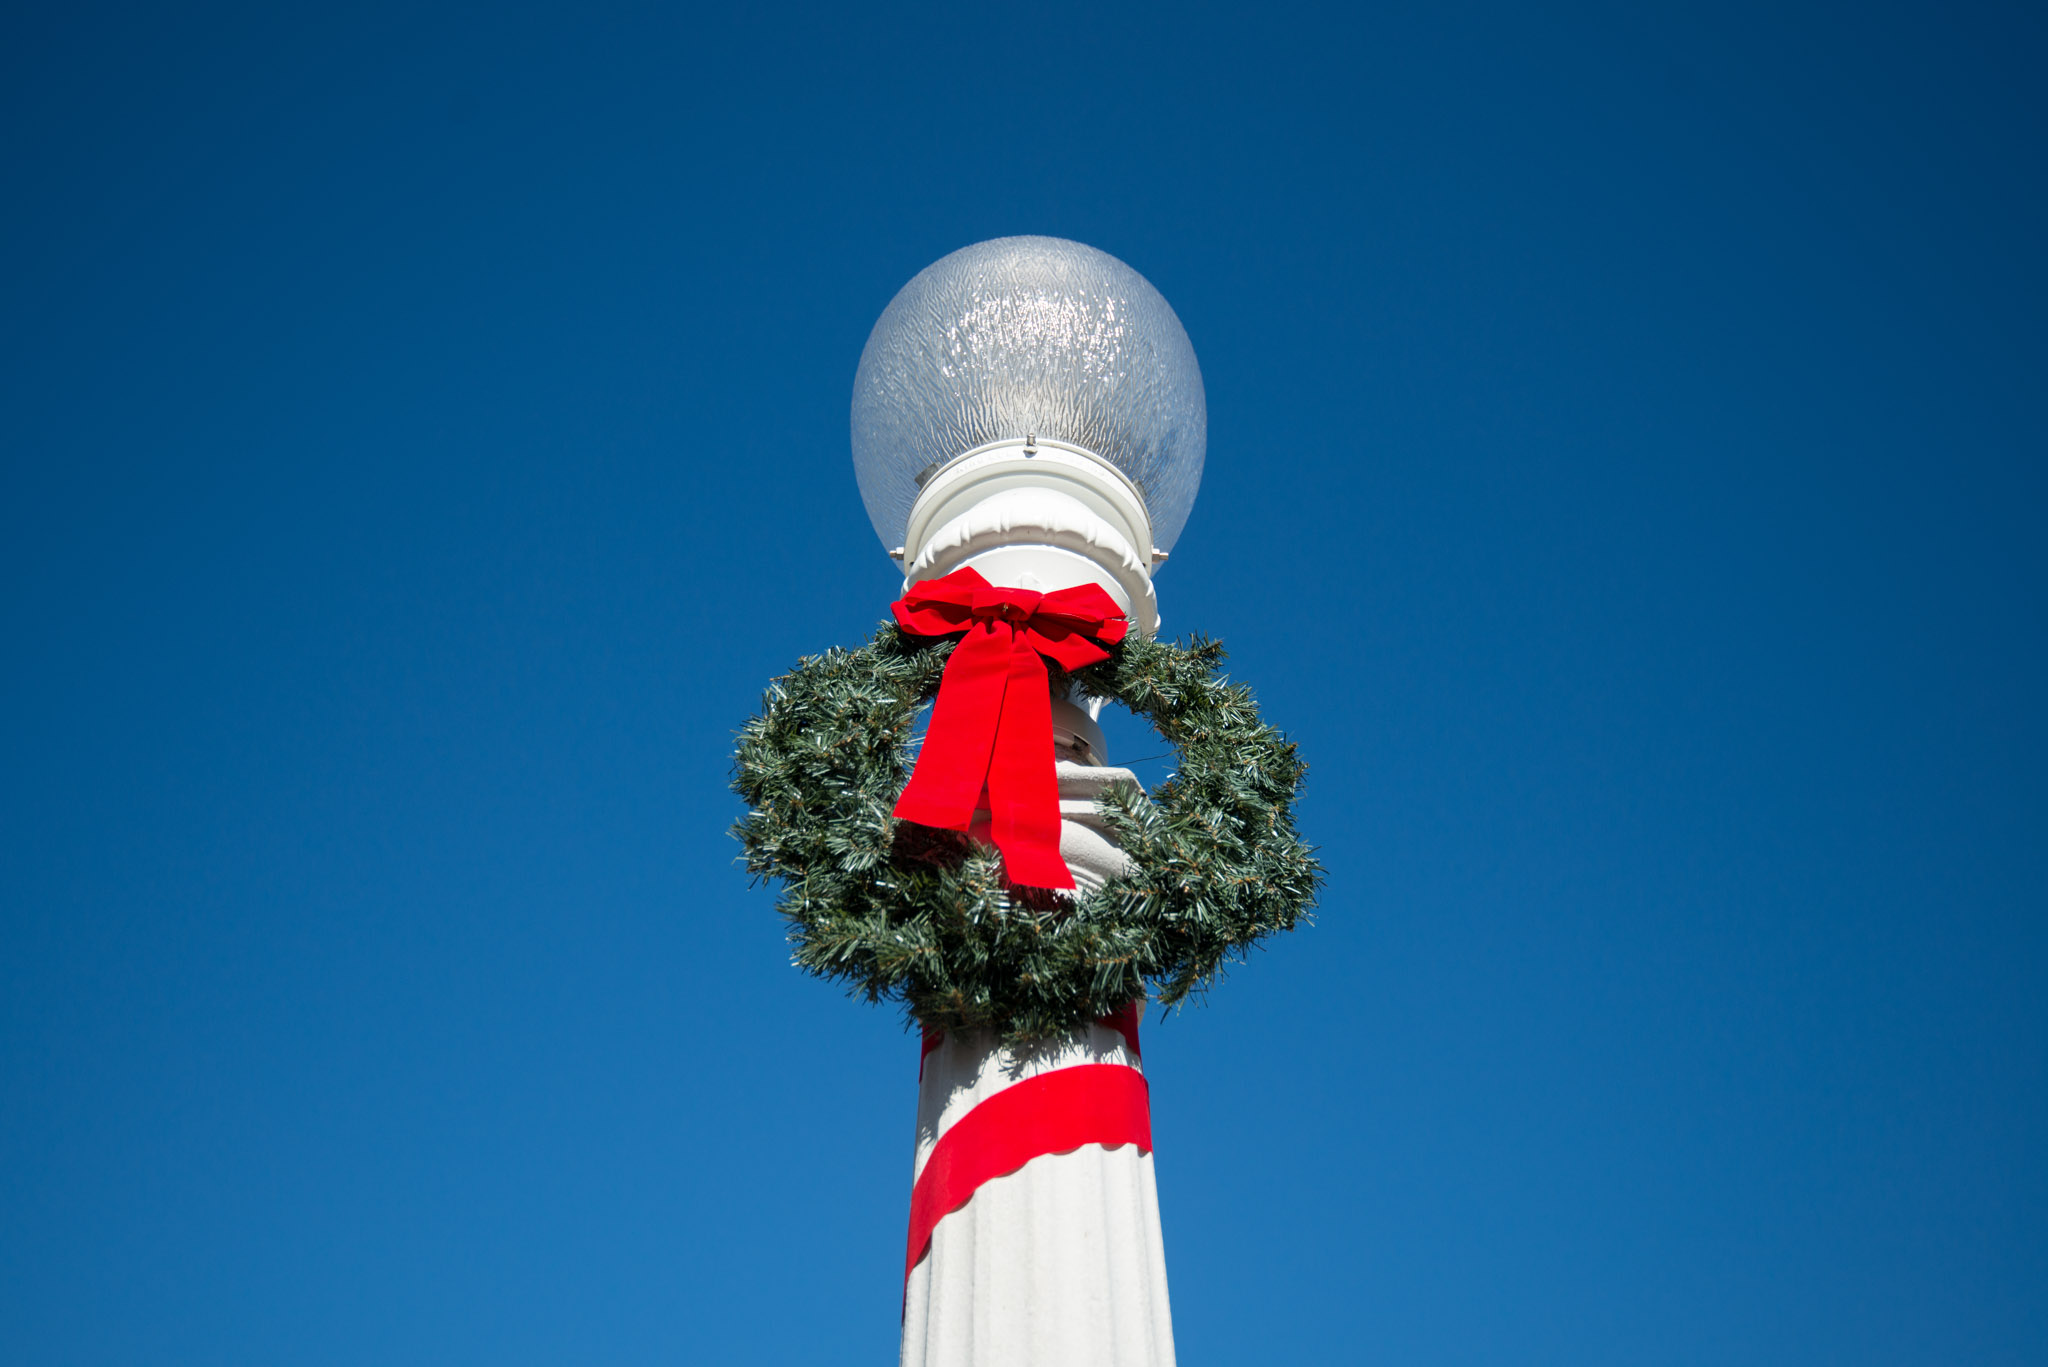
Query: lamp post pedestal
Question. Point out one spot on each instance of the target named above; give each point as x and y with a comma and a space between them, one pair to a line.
1035, 1236
1057, 1264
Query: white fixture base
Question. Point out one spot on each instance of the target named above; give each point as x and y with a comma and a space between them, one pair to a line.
1039, 515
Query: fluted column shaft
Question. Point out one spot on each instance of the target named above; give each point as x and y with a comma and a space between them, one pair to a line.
1059, 1263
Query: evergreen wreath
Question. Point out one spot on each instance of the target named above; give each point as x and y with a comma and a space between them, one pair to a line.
902, 913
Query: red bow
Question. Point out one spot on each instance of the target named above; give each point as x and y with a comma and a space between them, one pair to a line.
992, 723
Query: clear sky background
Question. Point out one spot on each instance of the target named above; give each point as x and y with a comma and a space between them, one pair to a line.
425, 434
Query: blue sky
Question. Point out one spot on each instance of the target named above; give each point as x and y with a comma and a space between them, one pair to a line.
425, 433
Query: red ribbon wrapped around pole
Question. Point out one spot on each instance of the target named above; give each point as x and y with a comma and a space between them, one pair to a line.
991, 725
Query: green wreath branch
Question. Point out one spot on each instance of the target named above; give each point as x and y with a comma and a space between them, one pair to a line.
1217, 865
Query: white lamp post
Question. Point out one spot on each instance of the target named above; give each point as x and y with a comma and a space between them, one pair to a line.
1031, 409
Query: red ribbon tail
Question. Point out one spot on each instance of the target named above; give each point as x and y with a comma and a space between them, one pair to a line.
947, 781
1024, 790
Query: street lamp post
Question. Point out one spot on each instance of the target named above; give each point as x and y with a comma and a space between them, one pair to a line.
1030, 409
1028, 430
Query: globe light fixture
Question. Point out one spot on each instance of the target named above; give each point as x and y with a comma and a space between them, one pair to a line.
1031, 408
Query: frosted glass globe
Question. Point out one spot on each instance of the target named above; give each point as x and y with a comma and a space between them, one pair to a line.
1020, 337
